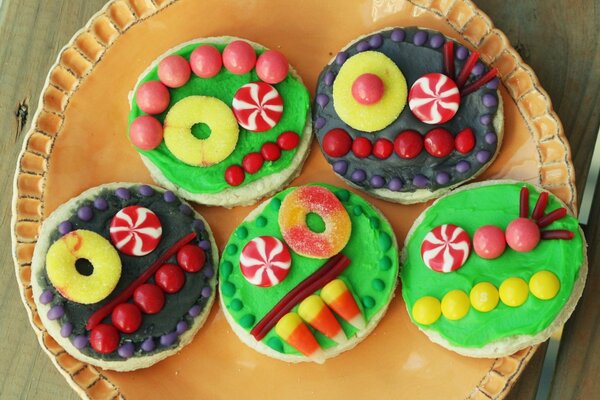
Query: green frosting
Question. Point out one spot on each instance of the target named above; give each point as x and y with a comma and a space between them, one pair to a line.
224, 86
471, 209
371, 275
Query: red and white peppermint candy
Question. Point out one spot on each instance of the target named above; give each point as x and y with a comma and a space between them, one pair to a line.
434, 98
257, 106
446, 248
265, 261
135, 231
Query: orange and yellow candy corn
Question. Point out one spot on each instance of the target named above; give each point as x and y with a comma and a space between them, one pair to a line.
314, 311
337, 296
291, 329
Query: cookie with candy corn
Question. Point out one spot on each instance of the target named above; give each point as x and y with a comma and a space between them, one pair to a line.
297, 282
493, 267
407, 114
221, 121
124, 275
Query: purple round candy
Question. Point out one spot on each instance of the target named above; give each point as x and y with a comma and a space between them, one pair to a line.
358, 175
320, 122
100, 203
182, 326
80, 341
328, 79
208, 271
493, 84
194, 311
395, 184
483, 156
363, 46
420, 38
126, 350
169, 196
478, 68
206, 292
485, 119
463, 166
377, 181
185, 209
56, 312
65, 227
322, 100
375, 41
123, 193
146, 190
490, 100
436, 41
340, 167
66, 329
198, 225
204, 245
398, 35
168, 339
420, 181
46, 297
490, 138
85, 213
341, 57
462, 52
148, 345
442, 178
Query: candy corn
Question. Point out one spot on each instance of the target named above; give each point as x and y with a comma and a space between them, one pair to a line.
316, 313
291, 329
337, 296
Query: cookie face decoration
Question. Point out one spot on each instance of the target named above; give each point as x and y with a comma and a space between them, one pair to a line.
407, 114
492, 268
124, 275
221, 121
297, 282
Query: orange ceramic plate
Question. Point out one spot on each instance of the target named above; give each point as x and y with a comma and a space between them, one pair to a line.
78, 141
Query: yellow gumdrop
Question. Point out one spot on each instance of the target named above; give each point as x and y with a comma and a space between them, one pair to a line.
544, 285
514, 292
455, 305
372, 117
426, 310
484, 297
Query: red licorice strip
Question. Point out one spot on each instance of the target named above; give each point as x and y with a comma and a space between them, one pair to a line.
331, 269
449, 59
466, 69
540, 206
551, 217
524, 203
558, 234
470, 88
105, 311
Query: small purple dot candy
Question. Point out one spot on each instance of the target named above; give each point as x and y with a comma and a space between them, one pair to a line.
185, 209
463, 166
320, 122
206, 291
208, 271
204, 245
395, 184
478, 68
46, 297
85, 213
80, 341
420, 38
66, 329
483, 156
398, 35
490, 100
198, 225
322, 100
328, 79
420, 181
375, 41
169, 196
493, 84
436, 41
194, 311
377, 181
126, 350
65, 227
100, 203
358, 175
148, 345
146, 190
462, 53
442, 178
362, 46
168, 339
485, 119
123, 193
341, 57
56, 312
490, 138
182, 326
340, 167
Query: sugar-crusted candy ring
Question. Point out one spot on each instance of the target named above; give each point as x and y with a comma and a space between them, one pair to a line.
190, 111
446, 248
257, 106
292, 221
434, 98
265, 261
62, 270
135, 230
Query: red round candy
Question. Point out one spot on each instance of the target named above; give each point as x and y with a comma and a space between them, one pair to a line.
464, 141
439, 142
127, 317
270, 151
234, 175
146, 132
169, 278
104, 338
174, 71
252, 162
239, 57
337, 143
489, 242
272, 67
153, 97
149, 298
408, 144
383, 148
288, 140
191, 258
522, 234
367, 89
206, 61
361, 147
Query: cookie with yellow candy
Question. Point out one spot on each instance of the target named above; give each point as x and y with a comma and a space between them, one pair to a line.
493, 267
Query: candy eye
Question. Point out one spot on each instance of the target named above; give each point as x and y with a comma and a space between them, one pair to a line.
434, 98
135, 231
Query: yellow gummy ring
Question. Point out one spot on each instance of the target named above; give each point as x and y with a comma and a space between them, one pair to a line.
373, 117
426, 310
185, 146
63, 274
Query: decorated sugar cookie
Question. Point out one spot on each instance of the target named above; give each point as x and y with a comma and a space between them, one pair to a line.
124, 275
493, 267
406, 114
297, 280
221, 121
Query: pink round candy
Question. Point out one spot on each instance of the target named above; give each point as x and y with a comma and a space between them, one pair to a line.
146, 132
489, 242
272, 67
367, 89
522, 235
239, 57
174, 71
153, 97
206, 61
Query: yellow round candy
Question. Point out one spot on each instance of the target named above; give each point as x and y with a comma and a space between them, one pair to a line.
426, 310
514, 292
455, 305
544, 285
190, 111
372, 117
484, 297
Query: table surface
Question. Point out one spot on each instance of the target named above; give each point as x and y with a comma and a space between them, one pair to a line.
555, 37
